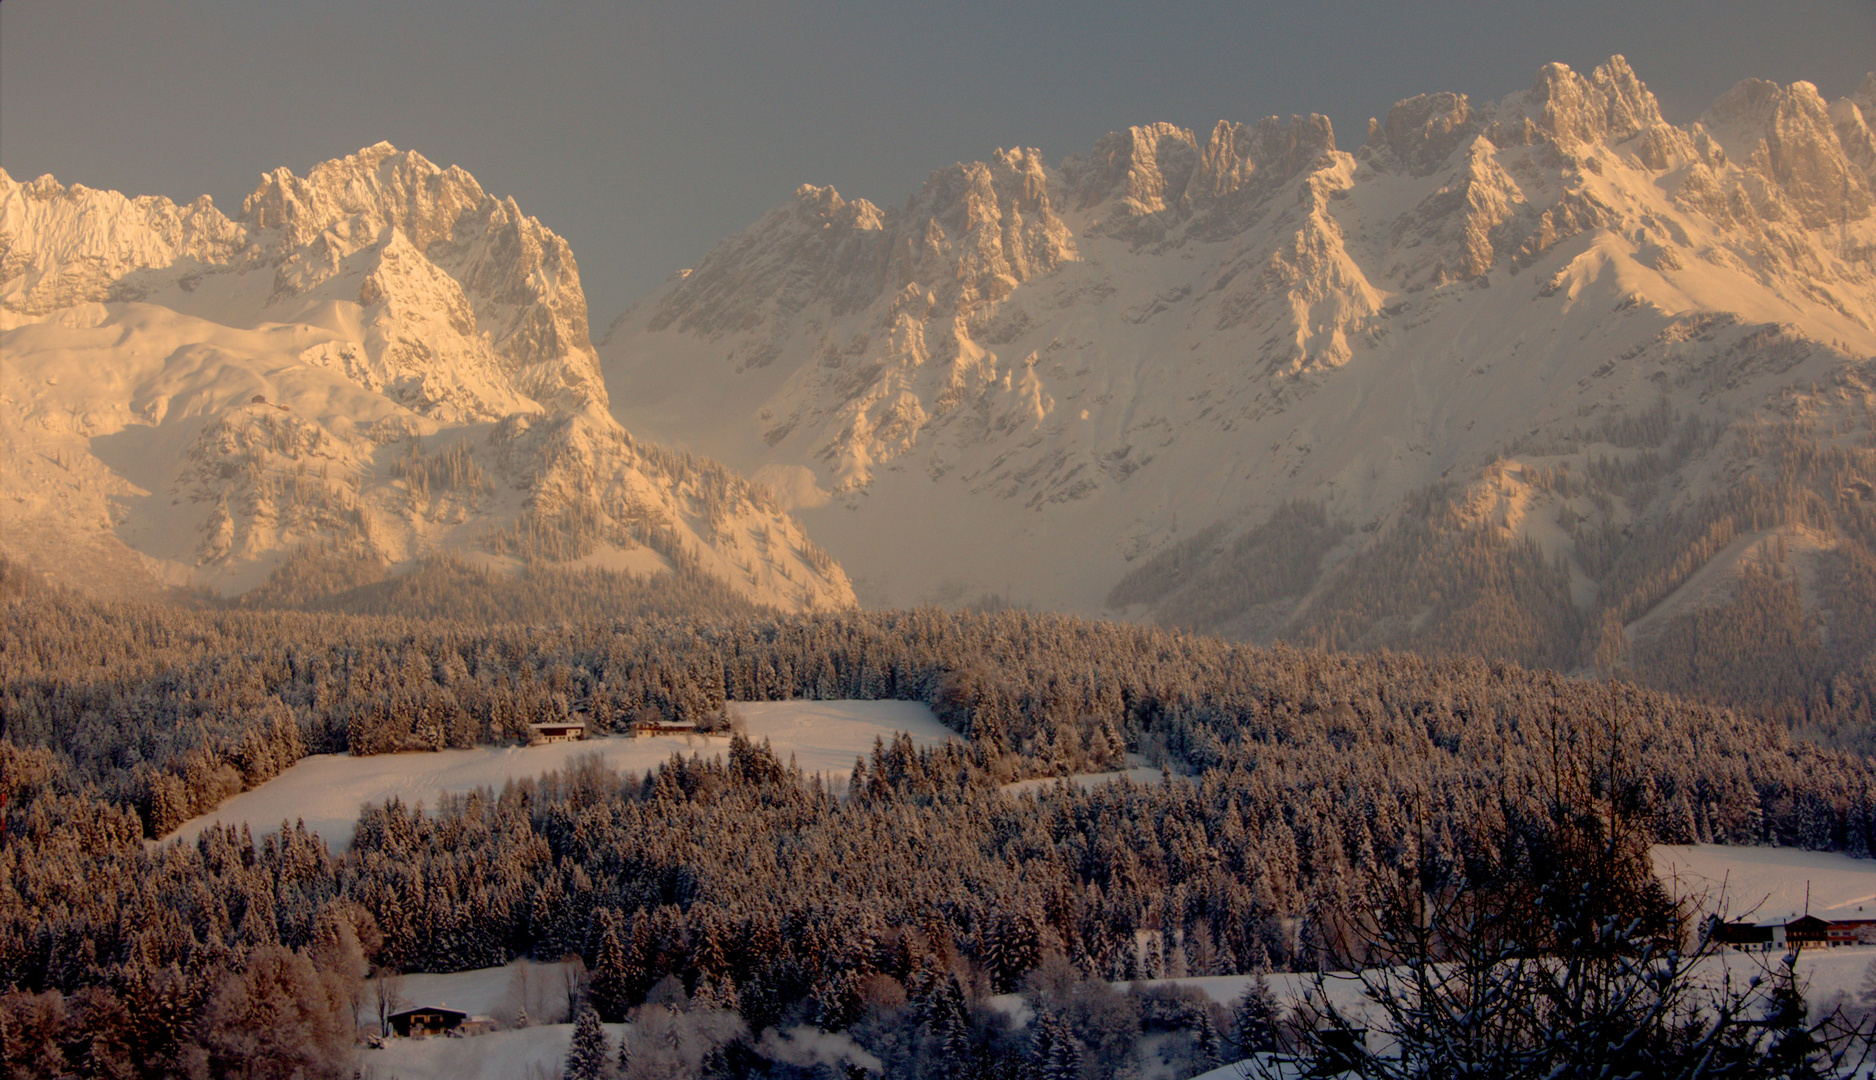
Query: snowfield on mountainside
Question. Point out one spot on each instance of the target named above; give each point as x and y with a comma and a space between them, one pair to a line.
326, 790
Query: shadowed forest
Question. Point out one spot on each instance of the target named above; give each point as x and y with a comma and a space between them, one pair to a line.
742, 887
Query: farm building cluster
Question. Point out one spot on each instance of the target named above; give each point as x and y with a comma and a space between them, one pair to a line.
1805, 930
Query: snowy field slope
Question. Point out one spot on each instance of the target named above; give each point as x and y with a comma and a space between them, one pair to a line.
536, 1051
1137, 771
326, 790
1771, 883
1031, 378
531, 1053
378, 354
503, 993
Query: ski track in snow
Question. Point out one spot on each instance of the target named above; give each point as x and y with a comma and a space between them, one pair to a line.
326, 790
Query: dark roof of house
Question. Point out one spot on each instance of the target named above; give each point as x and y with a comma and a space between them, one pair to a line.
458, 1013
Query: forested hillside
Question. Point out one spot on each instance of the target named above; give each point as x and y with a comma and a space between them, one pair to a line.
1291, 774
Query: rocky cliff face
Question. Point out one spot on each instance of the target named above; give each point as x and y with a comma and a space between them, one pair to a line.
1036, 380
378, 353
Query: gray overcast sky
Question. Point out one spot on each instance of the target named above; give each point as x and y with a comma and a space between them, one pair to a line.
646, 133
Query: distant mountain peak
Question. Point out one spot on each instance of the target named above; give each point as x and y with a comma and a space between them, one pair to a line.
378, 354
1166, 339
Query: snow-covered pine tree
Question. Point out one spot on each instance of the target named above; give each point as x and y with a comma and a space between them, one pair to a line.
612, 980
1254, 1017
1211, 1052
589, 1054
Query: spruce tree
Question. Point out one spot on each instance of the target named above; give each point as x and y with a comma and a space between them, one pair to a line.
1254, 1017
1210, 1052
611, 989
589, 1052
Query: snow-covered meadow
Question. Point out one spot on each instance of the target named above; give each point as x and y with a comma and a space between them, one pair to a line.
326, 790
1755, 883
530, 1053
1137, 770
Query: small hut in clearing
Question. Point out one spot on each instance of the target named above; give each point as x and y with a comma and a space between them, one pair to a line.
571, 729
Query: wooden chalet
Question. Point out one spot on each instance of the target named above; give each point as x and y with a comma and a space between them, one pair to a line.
1807, 930
645, 729
572, 729
1744, 935
426, 1020
1770, 934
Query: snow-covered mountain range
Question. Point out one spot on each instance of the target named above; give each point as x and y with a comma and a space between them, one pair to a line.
378, 356
1547, 376
1248, 379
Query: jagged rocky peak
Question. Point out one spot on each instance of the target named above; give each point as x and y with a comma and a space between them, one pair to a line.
1266, 154
1249, 315
1853, 117
1609, 106
817, 208
384, 229
975, 231
519, 277
1144, 169
1156, 176
380, 185
378, 354
818, 246
967, 236
1786, 135
1420, 133
964, 197
62, 246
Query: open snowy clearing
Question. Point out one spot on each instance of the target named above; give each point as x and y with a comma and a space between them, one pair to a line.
505, 993
1137, 770
326, 790
1755, 883
533, 1053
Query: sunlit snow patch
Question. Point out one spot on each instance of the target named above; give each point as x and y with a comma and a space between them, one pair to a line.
326, 790
1770, 883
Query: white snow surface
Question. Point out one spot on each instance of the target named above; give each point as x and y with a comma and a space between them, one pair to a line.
530, 1053
326, 790
1759, 884
1137, 771
499, 992
1823, 974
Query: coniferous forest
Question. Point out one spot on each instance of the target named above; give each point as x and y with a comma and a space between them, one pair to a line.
724, 898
